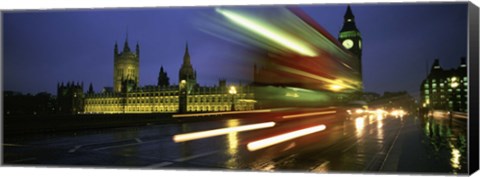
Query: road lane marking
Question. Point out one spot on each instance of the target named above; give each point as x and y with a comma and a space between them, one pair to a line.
138, 140
391, 147
308, 114
183, 159
17, 145
351, 146
263, 143
24, 160
159, 165
129, 144
75, 149
221, 131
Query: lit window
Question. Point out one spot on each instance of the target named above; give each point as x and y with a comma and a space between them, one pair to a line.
441, 84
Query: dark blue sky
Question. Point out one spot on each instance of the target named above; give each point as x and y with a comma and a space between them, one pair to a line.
42, 48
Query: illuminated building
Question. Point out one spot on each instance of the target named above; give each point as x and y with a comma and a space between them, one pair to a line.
188, 96
446, 89
125, 71
351, 39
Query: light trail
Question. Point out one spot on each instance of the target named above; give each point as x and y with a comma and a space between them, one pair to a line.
221, 131
260, 144
314, 76
308, 114
269, 32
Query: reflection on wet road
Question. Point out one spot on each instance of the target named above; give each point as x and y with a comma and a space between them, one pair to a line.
316, 140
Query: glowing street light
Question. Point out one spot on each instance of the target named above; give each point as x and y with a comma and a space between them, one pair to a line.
454, 84
232, 92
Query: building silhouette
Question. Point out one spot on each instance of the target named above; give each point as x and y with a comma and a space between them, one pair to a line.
70, 98
351, 39
446, 89
188, 96
163, 79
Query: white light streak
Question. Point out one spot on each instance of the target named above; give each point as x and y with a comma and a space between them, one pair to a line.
221, 131
260, 144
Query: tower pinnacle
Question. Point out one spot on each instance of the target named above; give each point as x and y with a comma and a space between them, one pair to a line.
186, 56
126, 48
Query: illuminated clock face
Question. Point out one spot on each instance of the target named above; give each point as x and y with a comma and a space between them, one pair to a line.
347, 43
359, 43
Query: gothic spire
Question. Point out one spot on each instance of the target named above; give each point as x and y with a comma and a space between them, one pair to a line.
186, 56
349, 21
126, 48
116, 48
90, 89
349, 13
137, 49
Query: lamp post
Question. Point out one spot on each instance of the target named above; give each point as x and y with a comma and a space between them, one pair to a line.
453, 85
232, 92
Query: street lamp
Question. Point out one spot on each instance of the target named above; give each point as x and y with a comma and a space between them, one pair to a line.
232, 92
453, 85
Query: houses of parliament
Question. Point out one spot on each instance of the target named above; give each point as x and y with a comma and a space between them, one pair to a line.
127, 96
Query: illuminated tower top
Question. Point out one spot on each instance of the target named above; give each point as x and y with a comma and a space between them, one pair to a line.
349, 21
126, 67
351, 39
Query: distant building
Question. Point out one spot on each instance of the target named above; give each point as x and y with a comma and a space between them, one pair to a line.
395, 100
187, 96
16, 103
446, 89
70, 98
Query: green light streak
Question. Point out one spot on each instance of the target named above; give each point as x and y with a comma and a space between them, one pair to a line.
268, 32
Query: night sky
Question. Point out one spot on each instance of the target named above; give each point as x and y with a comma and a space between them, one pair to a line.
42, 48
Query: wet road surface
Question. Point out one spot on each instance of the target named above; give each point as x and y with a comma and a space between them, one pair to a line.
360, 143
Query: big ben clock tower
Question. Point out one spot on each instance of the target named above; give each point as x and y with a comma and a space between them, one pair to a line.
350, 38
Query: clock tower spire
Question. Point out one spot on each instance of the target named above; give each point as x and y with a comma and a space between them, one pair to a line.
350, 38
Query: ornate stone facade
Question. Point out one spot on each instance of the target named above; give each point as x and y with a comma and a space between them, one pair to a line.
188, 96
